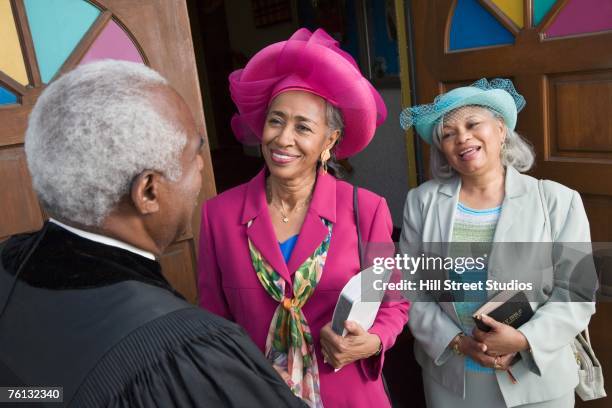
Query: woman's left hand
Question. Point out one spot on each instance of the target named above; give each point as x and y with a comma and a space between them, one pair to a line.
502, 339
339, 351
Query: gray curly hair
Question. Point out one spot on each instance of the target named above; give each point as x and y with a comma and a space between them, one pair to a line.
518, 152
91, 132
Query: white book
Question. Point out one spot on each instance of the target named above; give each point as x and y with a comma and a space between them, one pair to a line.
350, 305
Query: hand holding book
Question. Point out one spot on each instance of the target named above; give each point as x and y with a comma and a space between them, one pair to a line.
356, 344
346, 338
498, 320
501, 339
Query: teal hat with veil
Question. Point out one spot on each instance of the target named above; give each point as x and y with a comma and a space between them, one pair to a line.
498, 95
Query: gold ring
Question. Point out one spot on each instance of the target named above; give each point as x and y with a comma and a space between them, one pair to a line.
496, 364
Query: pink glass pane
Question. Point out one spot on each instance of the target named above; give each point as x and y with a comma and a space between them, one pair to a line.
112, 43
581, 17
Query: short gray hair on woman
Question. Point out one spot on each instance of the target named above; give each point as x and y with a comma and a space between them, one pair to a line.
517, 153
335, 122
334, 119
92, 132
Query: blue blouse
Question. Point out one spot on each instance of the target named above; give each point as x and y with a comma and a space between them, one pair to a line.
287, 247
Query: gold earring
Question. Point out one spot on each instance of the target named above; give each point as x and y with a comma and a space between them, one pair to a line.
325, 155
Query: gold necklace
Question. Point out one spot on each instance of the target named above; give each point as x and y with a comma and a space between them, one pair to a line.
281, 209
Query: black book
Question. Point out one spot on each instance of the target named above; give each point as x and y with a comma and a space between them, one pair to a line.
509, 307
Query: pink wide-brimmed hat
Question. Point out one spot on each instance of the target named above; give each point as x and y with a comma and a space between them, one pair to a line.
312, 62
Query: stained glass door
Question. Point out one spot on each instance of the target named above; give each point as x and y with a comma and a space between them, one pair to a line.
559, 55
40, 40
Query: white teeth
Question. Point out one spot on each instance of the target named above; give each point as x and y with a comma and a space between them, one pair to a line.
463, 152
281, 156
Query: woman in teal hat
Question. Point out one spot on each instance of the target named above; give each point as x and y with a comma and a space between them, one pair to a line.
478, 194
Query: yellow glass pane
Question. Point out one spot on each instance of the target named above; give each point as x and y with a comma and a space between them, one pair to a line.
513, 9
11, 58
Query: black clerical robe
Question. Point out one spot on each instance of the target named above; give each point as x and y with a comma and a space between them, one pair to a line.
104, 324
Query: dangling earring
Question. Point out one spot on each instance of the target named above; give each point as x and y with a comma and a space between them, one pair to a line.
325, 155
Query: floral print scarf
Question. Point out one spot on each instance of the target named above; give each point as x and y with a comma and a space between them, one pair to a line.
289, 345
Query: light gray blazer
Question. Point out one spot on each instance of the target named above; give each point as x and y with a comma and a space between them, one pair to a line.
549, 371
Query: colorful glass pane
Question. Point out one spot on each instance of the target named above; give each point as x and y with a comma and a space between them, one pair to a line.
7, 97
11, 58
513, 9
114, 43
540, 9
582, 17
57, 26
474, 27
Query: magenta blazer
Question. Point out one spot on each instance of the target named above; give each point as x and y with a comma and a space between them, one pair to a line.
229, 286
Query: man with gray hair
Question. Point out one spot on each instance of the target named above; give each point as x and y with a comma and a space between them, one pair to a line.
114, 156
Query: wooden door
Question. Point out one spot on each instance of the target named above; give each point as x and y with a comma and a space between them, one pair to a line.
559, 55
40, 40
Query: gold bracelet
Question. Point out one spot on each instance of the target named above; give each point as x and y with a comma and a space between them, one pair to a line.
455, 344
379, 349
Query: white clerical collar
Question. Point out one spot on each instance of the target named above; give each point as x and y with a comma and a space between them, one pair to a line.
104, 240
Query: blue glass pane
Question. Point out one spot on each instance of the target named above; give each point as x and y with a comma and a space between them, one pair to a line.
7, 97
474, 27
57, 27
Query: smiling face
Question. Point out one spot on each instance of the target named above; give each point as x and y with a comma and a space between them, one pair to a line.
471, 140
295, 134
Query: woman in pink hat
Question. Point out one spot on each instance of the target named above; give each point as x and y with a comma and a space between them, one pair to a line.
276, 252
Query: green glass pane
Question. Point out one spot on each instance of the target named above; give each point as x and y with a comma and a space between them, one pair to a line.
540, 9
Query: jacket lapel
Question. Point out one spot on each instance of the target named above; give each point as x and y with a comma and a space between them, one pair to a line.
448, 195
313, 231
446, 206
516, 191
513, 203
261, 232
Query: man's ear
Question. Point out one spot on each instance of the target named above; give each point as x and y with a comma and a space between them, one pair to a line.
145, 192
